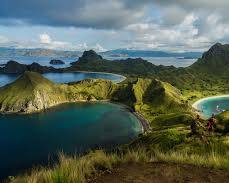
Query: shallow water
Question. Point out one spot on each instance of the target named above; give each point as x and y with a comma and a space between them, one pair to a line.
213, 106
29, 140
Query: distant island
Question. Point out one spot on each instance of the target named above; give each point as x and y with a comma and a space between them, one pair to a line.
56, 62
150, 53
9, 52
38, 52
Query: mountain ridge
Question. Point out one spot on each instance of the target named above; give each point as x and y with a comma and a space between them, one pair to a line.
31, 92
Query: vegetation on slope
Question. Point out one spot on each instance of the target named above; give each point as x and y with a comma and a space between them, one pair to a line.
223, 119
32, 92
206, 77
162, 105
156, 97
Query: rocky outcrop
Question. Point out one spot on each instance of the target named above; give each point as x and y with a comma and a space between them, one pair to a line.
90, 55
217, 50
214, 61
13, 67
56, 62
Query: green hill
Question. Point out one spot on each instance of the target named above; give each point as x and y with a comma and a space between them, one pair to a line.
214, 61
30, 92
157, 96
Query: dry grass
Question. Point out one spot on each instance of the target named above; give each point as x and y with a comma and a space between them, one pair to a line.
79, 169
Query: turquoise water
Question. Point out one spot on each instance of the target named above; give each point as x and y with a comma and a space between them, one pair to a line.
213, 106
65, 77
35, 139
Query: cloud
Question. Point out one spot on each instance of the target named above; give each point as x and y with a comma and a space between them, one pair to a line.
180, 37
46, 41
104, 14
78, 13
45, 38
140, 24
3, 39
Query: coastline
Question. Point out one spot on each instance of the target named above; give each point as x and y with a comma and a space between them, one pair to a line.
108, 73
198, 111
195, 105
143, 122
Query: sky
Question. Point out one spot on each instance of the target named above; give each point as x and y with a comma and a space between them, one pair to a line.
167, 25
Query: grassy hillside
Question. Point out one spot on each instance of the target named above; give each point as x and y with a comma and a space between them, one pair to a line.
164, 105
30, 92
158, 97
90, 89
207, 77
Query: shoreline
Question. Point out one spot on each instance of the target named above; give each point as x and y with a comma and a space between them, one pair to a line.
142, 120
195, 105
108, 73
198, 111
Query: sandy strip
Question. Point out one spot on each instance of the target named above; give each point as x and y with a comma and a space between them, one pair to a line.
142, 120
195, 105
198, 111
108, 73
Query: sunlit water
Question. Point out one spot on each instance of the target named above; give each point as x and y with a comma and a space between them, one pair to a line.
213, 105
35, 139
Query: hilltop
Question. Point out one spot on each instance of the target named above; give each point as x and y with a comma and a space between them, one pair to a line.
32, 92
29, 93
214, 61
155, 98
208, 76
13, 67
91, 61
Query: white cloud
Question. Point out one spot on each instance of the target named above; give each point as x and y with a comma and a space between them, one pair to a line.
98, 48
3, 39
45, 41
45, 38
185, 36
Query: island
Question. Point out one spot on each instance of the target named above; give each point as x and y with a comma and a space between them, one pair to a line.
56, 62
161, 95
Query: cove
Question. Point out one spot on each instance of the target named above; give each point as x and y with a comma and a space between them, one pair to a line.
66, 77
212, 105
36, 139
